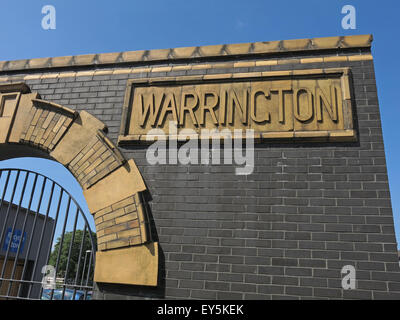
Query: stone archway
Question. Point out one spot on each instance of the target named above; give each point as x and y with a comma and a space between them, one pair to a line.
112, 185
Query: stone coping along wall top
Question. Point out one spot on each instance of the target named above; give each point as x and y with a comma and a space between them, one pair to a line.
240, 49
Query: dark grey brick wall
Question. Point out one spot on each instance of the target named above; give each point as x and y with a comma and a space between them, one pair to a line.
284, 231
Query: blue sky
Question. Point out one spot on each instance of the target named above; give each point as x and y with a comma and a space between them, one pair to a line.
110, 26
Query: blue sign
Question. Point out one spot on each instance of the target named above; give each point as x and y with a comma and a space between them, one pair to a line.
16, 239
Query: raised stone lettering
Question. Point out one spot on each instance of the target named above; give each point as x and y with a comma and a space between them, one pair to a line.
253, 106
205, 104
330, 105
169, 105
187, 106
305, 104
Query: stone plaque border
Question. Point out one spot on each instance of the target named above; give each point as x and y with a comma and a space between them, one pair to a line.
347, 134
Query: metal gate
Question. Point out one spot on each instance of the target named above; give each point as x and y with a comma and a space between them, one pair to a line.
47, 248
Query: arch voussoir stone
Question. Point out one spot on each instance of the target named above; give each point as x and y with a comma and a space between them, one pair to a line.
112, 185
76, 138
46, 124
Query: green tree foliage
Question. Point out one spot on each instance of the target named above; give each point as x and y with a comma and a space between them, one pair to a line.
75, 250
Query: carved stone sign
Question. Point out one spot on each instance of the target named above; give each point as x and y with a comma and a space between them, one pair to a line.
276, 105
